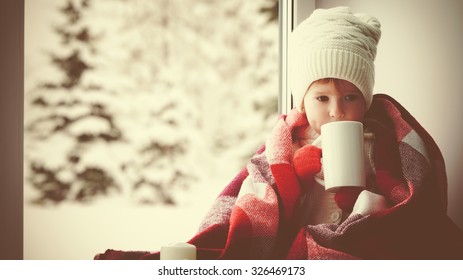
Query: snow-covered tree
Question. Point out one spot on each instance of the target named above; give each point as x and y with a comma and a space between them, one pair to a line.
150, 98
62, 123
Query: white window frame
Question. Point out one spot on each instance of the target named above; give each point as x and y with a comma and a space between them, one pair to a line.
291, 13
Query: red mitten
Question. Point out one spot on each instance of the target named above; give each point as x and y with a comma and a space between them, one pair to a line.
307, 162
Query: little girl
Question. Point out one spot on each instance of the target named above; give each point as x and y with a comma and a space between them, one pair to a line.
332, 78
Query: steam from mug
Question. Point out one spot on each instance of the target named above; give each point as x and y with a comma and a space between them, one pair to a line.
343, 155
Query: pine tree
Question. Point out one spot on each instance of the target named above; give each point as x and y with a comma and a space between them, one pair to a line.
217, 61
67, 119
151, 98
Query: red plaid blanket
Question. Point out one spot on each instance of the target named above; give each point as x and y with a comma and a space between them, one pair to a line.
256, 220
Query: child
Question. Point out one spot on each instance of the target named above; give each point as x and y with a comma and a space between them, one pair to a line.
332, 77
277, 208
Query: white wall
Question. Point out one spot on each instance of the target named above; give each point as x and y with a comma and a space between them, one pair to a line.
420, 64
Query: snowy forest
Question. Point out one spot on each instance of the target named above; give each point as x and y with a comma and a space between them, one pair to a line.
153, 103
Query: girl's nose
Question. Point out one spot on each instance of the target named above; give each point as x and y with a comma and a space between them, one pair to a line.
337, 111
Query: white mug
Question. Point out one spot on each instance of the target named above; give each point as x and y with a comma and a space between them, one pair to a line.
343, 155
178, 251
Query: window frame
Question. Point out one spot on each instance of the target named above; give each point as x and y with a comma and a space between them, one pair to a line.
11, 125
291, 13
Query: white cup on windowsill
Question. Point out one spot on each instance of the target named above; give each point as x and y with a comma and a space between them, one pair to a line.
178, 251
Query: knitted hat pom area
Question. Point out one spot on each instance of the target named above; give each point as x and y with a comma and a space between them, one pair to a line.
334, 43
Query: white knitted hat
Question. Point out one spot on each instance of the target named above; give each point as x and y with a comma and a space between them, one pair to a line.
334, 43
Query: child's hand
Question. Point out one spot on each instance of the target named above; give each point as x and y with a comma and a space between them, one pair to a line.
307, 162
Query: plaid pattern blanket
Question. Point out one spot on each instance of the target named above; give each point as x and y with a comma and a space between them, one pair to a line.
255, 215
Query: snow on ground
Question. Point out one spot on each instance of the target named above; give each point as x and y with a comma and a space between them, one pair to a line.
76, 232
92, 230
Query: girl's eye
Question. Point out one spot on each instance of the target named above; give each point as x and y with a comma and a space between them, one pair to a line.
351, 97
322, 98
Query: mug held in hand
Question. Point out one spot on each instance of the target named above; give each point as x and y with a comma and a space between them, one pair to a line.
343, 155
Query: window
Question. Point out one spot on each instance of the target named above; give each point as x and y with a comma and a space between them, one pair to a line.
137, 114
292, 12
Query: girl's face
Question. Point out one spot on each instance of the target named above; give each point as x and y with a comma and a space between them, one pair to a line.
330, 100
